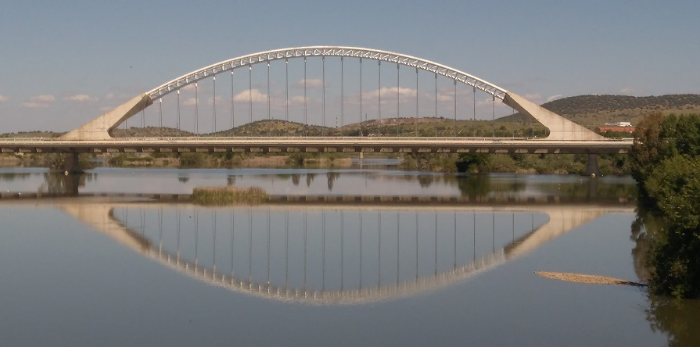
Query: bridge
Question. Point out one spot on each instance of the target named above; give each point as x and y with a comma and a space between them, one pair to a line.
96, 136
408, 250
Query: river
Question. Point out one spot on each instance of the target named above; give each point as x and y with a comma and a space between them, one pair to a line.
338, 257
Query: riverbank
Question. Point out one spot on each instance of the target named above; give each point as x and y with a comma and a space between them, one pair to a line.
562, 164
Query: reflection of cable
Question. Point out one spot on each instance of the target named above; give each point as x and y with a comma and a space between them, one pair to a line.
454, 240
196, 237
323, 250
233, 233
436, 253
160, 230
250, 245
305, 238
286, 248
268, 244
361, 227
342, 255
379, 251
213, 215
474, 229
398, 243
326, 294
416, 214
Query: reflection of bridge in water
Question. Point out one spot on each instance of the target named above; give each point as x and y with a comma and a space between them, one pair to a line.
326, 254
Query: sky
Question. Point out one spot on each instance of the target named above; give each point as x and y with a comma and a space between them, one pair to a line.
66, 62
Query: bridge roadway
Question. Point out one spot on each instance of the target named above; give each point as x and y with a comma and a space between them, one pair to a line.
317, 144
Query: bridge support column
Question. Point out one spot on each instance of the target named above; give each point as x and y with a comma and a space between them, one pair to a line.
71, 164
592, 166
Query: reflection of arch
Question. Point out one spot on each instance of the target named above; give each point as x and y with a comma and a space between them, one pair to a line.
99, 215
101, 128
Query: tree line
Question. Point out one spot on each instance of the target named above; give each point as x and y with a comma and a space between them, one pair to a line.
665, 162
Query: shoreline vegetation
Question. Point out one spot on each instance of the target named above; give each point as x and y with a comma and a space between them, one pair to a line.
440, 163
228, 195
665, 161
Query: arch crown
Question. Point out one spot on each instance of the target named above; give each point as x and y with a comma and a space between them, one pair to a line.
325, 51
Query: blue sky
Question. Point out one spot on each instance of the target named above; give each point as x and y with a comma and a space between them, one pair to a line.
66, 62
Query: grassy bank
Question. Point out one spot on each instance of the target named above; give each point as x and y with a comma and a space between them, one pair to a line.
228, 195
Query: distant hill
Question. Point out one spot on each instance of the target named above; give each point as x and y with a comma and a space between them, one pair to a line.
151, 132
595, 110
588, 110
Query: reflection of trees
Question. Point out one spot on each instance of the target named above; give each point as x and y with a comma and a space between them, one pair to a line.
425, 180
295, 179
309, 178
60, 184
183, 179
474, 186
230, 180
591, 189
11, 176
643, 228
676, 317
332, 176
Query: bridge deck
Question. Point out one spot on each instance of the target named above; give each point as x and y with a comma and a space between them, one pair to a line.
316, 144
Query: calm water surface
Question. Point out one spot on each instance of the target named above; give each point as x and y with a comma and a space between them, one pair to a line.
125, 271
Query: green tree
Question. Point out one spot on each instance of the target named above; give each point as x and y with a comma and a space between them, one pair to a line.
665, 160
675, 260
473, 162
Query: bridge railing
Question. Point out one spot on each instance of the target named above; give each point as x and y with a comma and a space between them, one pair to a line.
294, 138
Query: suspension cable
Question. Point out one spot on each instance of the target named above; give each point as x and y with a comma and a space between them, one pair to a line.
416, 122
323, 92
196, 109
398, 114
233, 108
379, 98
269, 115
342, 95
214, 106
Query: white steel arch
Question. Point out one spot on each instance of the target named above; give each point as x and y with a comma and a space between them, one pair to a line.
101, 127
326, 51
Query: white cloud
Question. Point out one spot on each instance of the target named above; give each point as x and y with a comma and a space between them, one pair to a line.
33, 104
80, 98
310, 83
189, 102
534, 97
105, 108
189, 87
109, 96
39, 101
202, 101
296, 100
389, 93
554, 97
3, 98
255, 94
219, 99
627, 91
43, 98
